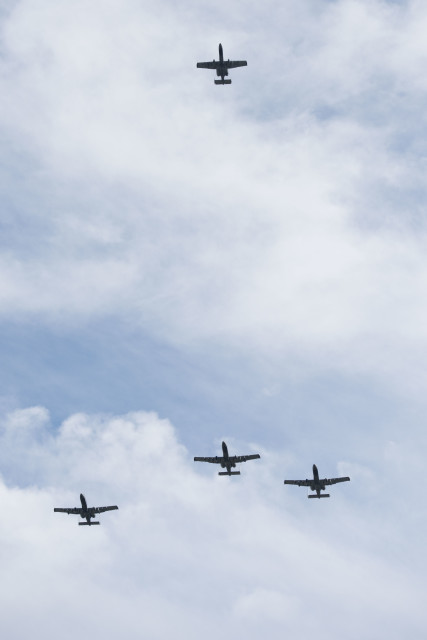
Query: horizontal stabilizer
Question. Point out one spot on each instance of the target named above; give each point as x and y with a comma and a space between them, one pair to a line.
88, 524
222, 81
322, 495
232, 473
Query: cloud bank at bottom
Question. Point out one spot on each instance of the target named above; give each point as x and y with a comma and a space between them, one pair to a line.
188, 554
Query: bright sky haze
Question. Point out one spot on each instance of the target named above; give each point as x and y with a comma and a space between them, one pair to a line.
183, 263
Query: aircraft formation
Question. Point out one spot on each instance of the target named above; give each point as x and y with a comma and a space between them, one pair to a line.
227, 462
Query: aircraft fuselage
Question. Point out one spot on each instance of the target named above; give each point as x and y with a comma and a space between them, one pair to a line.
85, 514
226, 464
222, 70
317, 486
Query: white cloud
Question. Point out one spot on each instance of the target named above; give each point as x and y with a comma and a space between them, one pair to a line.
177, 209
187, 552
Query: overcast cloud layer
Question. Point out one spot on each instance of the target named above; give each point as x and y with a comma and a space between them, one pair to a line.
248, 262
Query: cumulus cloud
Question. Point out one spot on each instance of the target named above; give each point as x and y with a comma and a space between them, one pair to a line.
188, 553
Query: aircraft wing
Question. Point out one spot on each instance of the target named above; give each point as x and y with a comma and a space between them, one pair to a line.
300, 483
102, 509
208, 65
334, 480
254, 456
231, 64
216, 459
74, 510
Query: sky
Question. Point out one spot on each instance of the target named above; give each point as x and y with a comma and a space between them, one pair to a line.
183, 263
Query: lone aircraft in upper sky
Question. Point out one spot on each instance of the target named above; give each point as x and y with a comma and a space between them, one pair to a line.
228, 462
85, 512
222, 66
317, 484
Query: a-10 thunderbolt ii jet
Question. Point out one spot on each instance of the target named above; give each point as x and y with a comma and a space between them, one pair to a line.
317, 484
228, 462
222, 66
85, 512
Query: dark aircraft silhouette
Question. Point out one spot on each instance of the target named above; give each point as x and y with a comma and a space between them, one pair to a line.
222, 66
317, 484
228, 462
85, 512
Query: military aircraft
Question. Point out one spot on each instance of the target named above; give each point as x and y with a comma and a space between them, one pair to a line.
317, 484
222, 66
85, 512
228, 462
